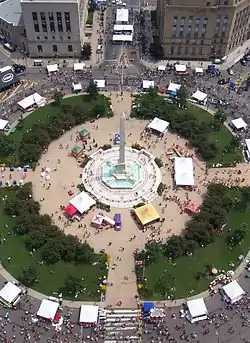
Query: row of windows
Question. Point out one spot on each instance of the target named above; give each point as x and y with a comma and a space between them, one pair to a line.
54, 48
178, 50
53, 38
49, 18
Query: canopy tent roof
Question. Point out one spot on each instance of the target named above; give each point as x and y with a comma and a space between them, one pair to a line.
31, 100
197, 308
126, 27
7, 76
77, 86
247, 141
159, 125
84, 133
199, 70
70, 210
200, 96
157, 313
47, 309
239, 123
147, 306
3, 124
147, 84
173, 87
82, 202
76, 149
161, 68
192, 207
89, 314
184, 171
233, 291
9, 293
100, 83
122, 15
146, 214
52, 68
123, 38
79, 66
180, 68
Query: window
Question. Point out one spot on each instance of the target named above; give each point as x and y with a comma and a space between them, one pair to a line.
67, 21
175, 20
200, 50
208, 3
59, 21
43, 20
35, 22
194, 50
70, 48
34, 16
53, 37
69, 38
54, 48
46, 37
186, 50
179, 50
38, 37
51, 21
172, 50
40, 48
36, 28
61, 37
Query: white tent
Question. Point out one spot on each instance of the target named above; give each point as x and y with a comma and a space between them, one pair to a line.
239, 124
82, 202
158, 125
123, 38
126, 27
200, 96
89, 314
10, 294
173, 87
77, 87
3, 124
196, 310
100, 83
180, 68
52, 68
199, 70
184, 171
161, 68
47, 309
79, 66
122, 15
147, 84
31, 100
232, 292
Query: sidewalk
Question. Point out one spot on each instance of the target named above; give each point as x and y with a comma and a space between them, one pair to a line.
232, 58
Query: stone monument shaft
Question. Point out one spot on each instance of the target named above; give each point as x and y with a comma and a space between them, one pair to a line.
121, 161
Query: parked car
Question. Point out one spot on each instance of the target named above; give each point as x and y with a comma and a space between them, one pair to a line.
224, 81
230, 71
18, 68
243, 62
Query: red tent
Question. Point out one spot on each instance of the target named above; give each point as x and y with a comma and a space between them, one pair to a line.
192, 207
70, 210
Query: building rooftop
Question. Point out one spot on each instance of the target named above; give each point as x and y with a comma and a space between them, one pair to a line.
11, 12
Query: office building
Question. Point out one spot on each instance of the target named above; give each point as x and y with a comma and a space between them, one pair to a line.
201, 29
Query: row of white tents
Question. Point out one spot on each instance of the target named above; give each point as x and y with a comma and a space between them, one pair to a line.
181, 68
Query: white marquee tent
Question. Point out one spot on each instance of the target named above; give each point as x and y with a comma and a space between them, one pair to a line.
126, 27
89, 314
247, 141
31, 100
199, 70
76, 87
52, 68
180, 68
239, 124
10, 294
161, 68
147, 84
122, 15
100, 83
123, 38
196, 310
47, 309
3, 124
200, 96
184, 171
82, 202
173, 87
79, 66
232, 292
158, 125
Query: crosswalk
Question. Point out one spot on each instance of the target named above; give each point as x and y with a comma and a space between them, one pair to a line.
24, 85
120, 325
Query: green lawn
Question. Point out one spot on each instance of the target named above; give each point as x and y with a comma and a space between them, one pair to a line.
51, 278
185, 269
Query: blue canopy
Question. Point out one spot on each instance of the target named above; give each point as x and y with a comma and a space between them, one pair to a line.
1, 183
232, 85
174, 93
211, 68
147, 306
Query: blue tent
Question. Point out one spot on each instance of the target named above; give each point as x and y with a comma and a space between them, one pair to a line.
174, 93
232, 85
211, 68
147, 306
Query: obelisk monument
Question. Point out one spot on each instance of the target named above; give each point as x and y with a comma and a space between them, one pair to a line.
121, 162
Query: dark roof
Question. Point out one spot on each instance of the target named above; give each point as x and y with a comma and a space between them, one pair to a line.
7, 79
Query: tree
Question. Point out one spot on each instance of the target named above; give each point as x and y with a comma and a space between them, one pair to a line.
29, 153
233, 144
51, 251
220, 116
86, 51
156, 51
73, 285
6, 145
182, 96
174, 247
29, 276
84, 253
92, 90
58, 96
